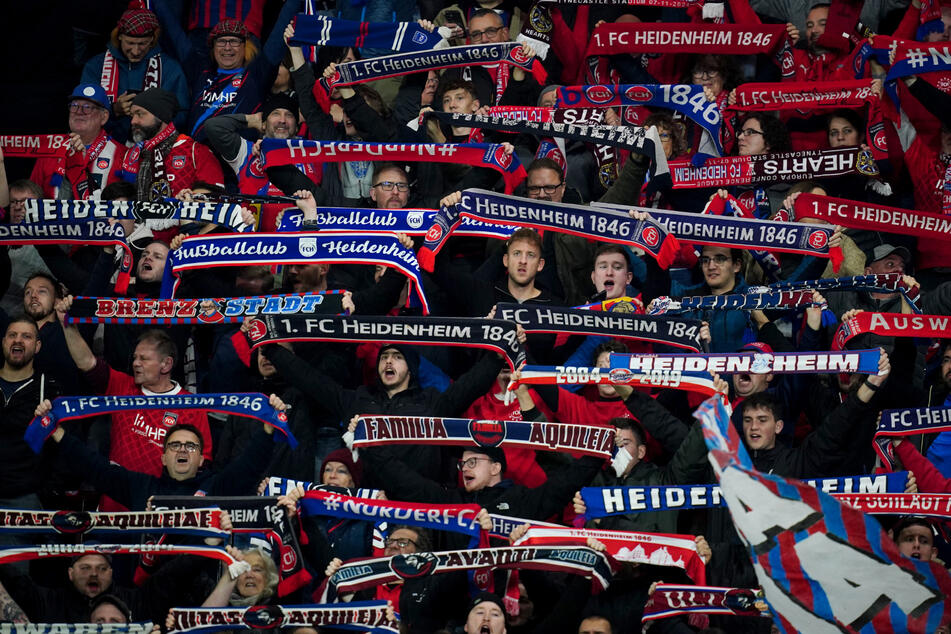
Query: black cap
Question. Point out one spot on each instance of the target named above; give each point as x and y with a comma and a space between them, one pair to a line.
279, 100
495, 454
112, 600
484, 597
161, 103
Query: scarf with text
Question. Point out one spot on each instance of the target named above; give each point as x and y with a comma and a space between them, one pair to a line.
644, 141
822, 564
740, 233
247, 404
748, 301
704, 39
871, 283
918, 58
364, 70
580, 220
682, 333
383, 431
255, 514
860, 361
218, 310
750, 205
223, 214
202, 252
34, 145
412, 222
147, 161
360, 616
700, 382
489, 155
658, 549
405, 37
860, 215
727, 171
456, 518
895, 423
495, 335
937, 505
82, 233
82, 175
892, 325
13, 554
109, 77
365, 573
141, 627
277, 486
608, 501
669, 600
200, 521
687, 99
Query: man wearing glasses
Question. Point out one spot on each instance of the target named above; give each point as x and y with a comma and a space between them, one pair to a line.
390, 188
93, 158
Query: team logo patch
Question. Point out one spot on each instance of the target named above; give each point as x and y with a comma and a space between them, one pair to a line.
71, 522
307, 247
488, 433
288, 559
169, 419
762, 363
434, 233
133, 155
178, 162
237, 80
620, 375
415, 219
607, 174
865, 164
256, 168
263, 617
623, 307
258, 330
46, 421
876, 133
519, 55
102, 163
501, 158
650, 236
599, 94
413, 566
419, 38
540, 19
639, 93
818, 239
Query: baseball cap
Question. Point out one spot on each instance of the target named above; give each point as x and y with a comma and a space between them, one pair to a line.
94, 93
882, 251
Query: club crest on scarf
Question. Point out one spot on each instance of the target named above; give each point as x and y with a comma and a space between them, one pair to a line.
538, 17
413, 566
307, 246
488, 433
263, 617
71, 522
258, 330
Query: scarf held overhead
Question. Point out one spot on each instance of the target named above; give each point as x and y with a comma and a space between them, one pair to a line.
412, 222
489, 334
859, 215
580, 220
669, 600
590, 440
13, 554
891, 325
200, 521
860, 361
223, 214
398, 36
491, 155
362, 616
701, 382
218, 310
247, 404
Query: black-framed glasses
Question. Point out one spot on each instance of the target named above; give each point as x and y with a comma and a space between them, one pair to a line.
400, 543
470, 463
388, 186
534, 190
489, 32
719, 260
229, 42
705, 73
748, 132
84, 107
177, 445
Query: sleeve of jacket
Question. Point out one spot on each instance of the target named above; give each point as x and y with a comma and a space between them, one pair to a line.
934, 100
223, 135
689, 463
274, 47
548, 499
117, 482
659, 423
310, 380
820, 450
368, 120
403, 483
470, 386
929, 479
627, 187
319, 124
242, 476
382, 296
938, 301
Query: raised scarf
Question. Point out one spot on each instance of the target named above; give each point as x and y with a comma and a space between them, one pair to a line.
580, 220
13, 554
34, 145
859, 361
700, 382
248, 404
223, 310
860, 215
670, 600
892, 325
222, 214
321, 30
907, 422
360, 616
682, 333
200, 521
489, 334
109, 77
412, 222
490, 155
383, 431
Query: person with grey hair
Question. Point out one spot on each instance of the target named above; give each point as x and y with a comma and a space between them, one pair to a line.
255, 585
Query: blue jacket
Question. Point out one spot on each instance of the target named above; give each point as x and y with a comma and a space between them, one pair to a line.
727, 327
131, 77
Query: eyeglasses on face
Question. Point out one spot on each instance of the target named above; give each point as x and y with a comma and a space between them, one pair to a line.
469, 463
228, 42
475, 36
534, 190
748, 132
388, 186
705, 73
719, 260
177, 445
83, 107
400, 543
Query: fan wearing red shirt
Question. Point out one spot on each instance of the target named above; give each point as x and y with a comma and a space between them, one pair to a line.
136, 437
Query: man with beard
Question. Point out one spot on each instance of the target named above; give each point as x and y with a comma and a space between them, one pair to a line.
278, 119
163, 161
93, 158
39, 297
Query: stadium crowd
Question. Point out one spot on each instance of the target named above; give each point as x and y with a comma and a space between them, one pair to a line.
206, 102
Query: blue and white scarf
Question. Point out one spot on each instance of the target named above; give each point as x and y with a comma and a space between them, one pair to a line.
412, 222
860, 361
405, 37
223, 214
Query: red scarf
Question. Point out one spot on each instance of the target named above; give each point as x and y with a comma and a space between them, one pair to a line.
858, 215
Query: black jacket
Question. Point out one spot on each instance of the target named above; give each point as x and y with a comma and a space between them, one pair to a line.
23, 471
